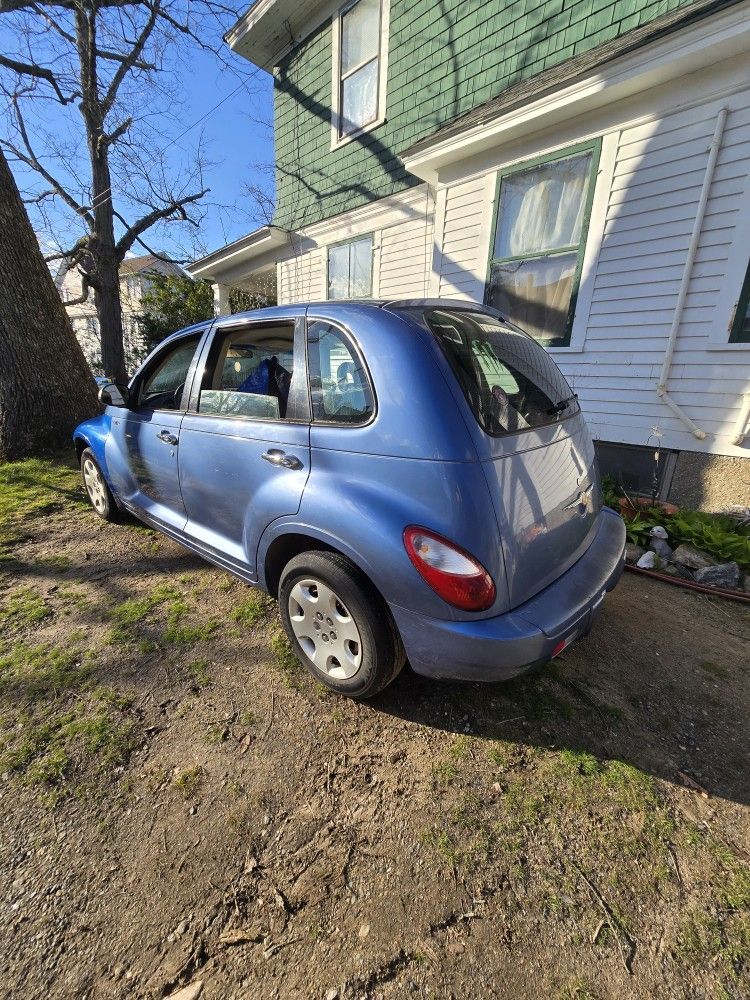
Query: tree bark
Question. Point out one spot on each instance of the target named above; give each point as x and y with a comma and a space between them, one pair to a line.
106, 278
46, 387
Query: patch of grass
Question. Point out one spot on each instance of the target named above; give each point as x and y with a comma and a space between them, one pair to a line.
284, 657
52, 749
43, 671
576, 990
444, 772
252, 609
24, 607
189, 781
32, 487
199, 674
248, 719
216, 733
54, 563
185, 635
714, 669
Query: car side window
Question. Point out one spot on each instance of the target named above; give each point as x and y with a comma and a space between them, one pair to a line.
164, 383
249, 372
340, 387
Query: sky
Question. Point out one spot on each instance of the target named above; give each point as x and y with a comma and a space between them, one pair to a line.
228, 108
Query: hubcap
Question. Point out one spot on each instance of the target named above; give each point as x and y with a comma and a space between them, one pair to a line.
95, 486
324, 629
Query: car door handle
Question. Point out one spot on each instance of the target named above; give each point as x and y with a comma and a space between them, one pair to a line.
278, 457
167, 438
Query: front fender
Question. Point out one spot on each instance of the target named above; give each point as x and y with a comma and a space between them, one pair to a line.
93, 434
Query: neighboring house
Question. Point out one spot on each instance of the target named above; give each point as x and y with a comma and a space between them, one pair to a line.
582, 165
135, 273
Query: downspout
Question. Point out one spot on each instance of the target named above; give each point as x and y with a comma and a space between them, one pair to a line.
740, 428
661, 388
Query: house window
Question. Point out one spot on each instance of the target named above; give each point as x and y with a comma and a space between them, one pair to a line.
350, 269
540, 238
740, 332
357, 68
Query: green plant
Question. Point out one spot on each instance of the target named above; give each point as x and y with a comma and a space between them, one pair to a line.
611, 492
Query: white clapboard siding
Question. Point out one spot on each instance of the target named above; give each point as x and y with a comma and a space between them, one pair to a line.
303, 278
405, 260
653, 201
649, 213
463, 255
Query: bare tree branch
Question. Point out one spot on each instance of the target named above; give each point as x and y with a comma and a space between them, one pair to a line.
175, 209
39, 73
31, 160
130, 59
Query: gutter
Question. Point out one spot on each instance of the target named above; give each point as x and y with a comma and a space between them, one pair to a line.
661, 388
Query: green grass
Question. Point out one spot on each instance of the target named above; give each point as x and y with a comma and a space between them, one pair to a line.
43, 671
188, 781
199, 674
31, 487
185, 635
252, 610
24, 607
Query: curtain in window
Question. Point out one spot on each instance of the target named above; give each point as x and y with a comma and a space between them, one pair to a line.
539, 227
360, 51
350, 270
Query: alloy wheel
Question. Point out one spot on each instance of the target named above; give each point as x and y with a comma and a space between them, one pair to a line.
95, 486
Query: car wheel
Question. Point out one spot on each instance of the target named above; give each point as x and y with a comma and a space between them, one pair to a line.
95, 486
338, 624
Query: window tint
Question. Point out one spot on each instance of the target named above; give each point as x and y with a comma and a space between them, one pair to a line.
341, 391
511, 383
360, 66
249, 373
539, 242
163, 385
350, 270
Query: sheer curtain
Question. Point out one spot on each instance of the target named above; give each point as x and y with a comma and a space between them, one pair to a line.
540, 218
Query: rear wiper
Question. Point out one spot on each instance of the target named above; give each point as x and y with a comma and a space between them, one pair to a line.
562, 405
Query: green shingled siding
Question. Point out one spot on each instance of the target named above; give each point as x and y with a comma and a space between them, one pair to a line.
445, 58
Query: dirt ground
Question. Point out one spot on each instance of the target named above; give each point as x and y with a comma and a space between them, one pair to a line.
180, 804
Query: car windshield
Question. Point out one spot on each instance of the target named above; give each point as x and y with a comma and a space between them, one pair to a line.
510, 382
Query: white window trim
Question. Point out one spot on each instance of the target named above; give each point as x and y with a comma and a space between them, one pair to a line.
602, 187
385, 15
732, 281
374, 264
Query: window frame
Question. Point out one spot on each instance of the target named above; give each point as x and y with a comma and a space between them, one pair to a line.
313, 371
594, 146
337, 80
299, 398
137, 382
736, 336
348, 242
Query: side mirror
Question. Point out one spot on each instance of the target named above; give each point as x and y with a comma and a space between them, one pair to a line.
114, 394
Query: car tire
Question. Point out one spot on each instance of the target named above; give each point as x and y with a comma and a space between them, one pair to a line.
96, 489
338, 624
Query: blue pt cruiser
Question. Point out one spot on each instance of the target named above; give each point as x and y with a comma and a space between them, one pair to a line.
412, 480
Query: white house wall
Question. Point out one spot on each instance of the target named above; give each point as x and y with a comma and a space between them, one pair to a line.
402, 231
638, 238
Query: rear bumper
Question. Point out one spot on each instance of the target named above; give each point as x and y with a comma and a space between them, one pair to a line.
495, 649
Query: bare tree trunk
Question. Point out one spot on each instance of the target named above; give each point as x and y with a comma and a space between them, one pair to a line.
46, 387
106, 282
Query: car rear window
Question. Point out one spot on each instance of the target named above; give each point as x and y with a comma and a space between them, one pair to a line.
510, 382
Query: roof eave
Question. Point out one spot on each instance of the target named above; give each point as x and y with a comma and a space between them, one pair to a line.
517, 111
242, 251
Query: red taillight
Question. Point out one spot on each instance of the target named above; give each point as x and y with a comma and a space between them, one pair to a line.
452, 573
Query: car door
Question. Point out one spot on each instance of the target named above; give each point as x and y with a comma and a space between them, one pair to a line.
142, 447
244, 452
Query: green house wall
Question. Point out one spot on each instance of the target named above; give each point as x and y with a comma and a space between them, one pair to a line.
445, 57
